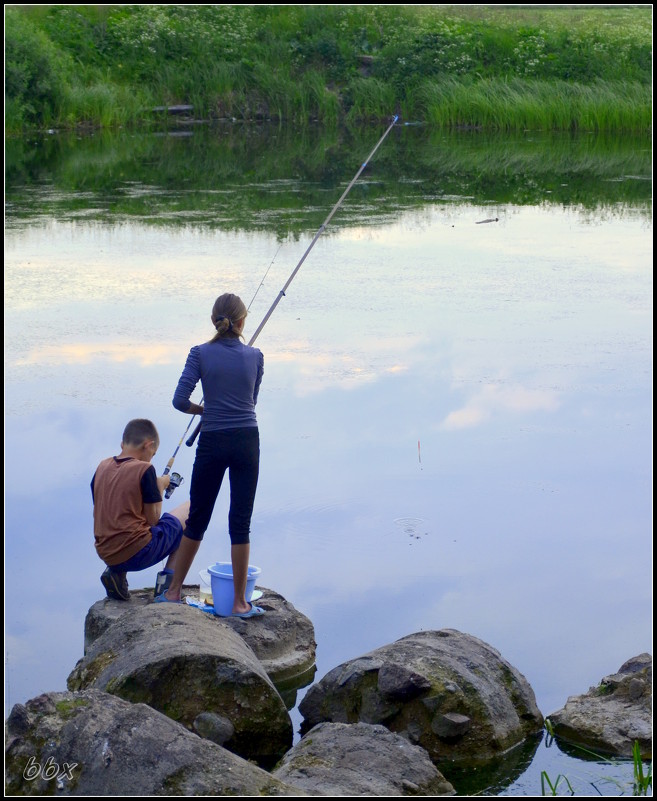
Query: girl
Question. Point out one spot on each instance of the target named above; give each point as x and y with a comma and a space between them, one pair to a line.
230, 373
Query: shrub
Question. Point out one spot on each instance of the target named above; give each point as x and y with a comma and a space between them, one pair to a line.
35, 73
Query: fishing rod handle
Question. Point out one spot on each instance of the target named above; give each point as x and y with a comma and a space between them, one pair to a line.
192, 438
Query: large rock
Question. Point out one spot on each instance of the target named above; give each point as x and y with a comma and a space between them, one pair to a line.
449, 692
336, 759
185, 664
283, 639
610, 717
93, 744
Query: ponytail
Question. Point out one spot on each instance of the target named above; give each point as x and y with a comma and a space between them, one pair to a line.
227, 312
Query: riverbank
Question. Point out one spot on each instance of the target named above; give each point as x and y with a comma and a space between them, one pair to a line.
499, 68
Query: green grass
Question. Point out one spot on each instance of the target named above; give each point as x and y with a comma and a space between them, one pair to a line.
553, 786
532, 104
642, 776
489, 66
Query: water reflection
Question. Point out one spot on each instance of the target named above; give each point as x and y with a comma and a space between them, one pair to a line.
496, 777
284, 180
455, 418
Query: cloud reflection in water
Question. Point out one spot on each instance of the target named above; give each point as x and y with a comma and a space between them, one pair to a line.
517, 354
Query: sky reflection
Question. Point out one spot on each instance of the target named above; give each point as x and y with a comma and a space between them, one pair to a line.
518, 354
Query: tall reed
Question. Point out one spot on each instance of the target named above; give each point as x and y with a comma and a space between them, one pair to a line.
370, 98
101, 104
531, 104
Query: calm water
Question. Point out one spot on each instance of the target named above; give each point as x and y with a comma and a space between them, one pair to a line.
456, 416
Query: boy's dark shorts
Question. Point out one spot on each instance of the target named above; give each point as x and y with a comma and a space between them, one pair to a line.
167, 533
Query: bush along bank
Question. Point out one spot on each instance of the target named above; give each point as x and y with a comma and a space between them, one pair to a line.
500, 68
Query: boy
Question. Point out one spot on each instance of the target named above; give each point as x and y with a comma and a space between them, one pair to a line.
129, 533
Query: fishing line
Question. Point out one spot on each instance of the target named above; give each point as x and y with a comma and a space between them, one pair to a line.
281, 294
264, 276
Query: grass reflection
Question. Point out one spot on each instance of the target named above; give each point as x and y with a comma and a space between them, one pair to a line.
282, 180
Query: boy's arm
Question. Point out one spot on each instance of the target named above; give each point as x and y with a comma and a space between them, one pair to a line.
152, 513
157, 485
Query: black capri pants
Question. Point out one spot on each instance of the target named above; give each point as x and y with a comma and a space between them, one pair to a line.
238, 451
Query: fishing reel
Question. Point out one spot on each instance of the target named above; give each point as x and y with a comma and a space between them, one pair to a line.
175, 480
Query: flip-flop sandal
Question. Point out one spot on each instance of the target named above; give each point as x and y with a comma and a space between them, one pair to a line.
254, 611
162, 599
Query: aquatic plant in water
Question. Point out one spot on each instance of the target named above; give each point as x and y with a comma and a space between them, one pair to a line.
642, 778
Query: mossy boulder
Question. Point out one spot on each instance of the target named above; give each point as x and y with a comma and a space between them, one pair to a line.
283, 639
93, 744
184, 664
448, 692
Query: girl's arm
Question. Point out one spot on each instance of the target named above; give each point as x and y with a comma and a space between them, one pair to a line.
187, 382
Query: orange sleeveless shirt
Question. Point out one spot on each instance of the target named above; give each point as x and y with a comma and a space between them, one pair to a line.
120, 528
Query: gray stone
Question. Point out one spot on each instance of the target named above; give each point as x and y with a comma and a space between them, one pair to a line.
214, 727
635, 689
351, 671
93, 744
283, 639
451, 726
610, 717
183, 663
449, 692
397, 681
336, 759
636, 664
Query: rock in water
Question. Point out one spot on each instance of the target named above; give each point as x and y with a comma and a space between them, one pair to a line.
449, 692
336, 759
610, 717
182, 663
93, 744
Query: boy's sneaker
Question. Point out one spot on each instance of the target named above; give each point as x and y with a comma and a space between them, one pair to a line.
116, 585
162, 582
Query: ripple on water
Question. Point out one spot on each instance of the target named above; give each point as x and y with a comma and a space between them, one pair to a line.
412, 526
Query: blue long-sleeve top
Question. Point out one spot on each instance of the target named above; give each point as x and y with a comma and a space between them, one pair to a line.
230, 373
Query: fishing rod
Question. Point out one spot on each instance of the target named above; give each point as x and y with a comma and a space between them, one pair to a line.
176, 479
281, 294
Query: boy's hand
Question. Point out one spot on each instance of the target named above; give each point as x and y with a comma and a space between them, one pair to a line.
163, 482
